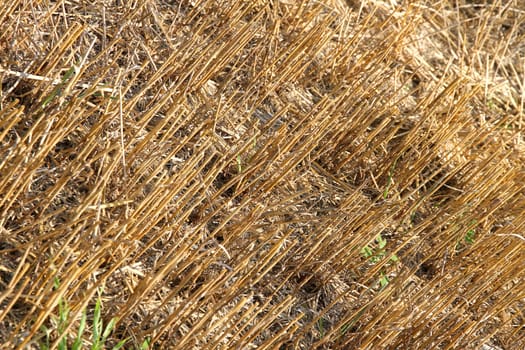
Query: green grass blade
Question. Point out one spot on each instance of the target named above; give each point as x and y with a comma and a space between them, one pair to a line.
63, 314
120, 344
239, 164
145, 344
381, 242
77, 345
46, 331
62, 345
97, 323
109, 329
58, 89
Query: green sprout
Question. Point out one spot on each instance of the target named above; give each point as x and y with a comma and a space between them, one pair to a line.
389, 179
239, 164
99, 333
320, 326
468, 238
57, 91
377, 253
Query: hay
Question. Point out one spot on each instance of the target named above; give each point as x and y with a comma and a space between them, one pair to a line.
263, 174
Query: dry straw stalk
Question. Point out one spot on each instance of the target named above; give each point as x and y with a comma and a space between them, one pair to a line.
262, 174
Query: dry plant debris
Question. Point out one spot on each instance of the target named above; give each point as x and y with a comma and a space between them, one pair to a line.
266, 174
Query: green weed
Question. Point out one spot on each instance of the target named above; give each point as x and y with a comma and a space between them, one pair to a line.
468, 238
57, 91
389, 179
145, 344
61, 322
321, 328
239, 164
376, 253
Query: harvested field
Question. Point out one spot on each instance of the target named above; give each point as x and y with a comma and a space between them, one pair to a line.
269, 174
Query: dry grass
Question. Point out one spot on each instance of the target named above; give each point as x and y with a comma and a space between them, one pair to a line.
264, 174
